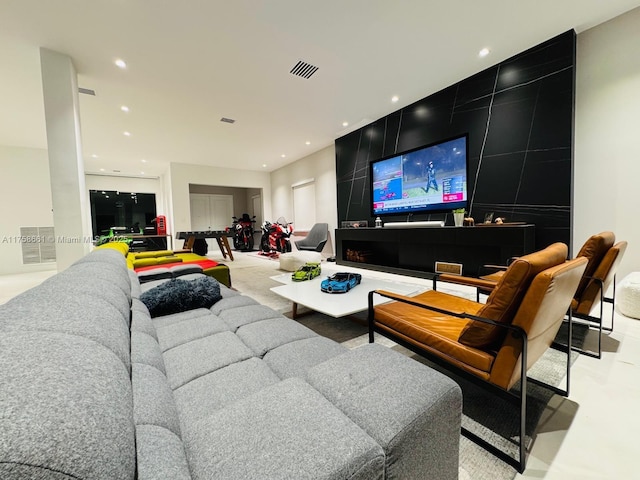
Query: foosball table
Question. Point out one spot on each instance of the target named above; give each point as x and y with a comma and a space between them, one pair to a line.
196, 242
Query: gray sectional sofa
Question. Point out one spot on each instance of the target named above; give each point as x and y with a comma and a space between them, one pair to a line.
92, 387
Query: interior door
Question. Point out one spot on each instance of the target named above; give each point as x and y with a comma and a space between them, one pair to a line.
210, 212
200, 212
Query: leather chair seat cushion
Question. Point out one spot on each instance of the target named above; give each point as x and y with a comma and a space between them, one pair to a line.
435, 331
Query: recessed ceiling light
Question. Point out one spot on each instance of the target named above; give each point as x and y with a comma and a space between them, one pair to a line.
102, 169
126, 134
264, 165
141, 173
345, 124
120, 63
484, 52
283, 155
124, 108
143, 161
307, 142
394, 99
93, 155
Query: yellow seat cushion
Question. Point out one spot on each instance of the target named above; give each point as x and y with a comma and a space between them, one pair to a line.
119, 246
152, 254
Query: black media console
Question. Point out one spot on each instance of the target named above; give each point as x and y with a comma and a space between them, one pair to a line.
414, 251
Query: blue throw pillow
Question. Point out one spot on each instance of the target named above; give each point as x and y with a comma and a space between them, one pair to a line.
177, 295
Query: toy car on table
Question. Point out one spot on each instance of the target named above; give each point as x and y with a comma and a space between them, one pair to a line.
306, 272
340, 282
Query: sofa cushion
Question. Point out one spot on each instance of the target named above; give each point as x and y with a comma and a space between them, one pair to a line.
246, 314
141, 320
233, 301
265, 335
180, 317
418, 427
213, 391
80, 314
194, 359
285, 431
145, 350
153, 402
178, 295
151, 254
170, 336
293, 359
159, 273
66, 406
160, 454
504, 300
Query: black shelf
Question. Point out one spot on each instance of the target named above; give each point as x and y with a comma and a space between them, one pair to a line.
414, 251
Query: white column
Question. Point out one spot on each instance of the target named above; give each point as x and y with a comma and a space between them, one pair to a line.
66, 165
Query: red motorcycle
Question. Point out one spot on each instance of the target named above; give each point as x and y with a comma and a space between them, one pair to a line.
243, 232
275, 237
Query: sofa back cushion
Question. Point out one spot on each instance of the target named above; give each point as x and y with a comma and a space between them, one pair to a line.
505, 298
65, 407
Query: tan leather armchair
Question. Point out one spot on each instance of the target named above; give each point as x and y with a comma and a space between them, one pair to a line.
603, 258
495, 343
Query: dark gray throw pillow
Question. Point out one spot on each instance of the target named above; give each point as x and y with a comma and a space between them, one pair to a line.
177, 295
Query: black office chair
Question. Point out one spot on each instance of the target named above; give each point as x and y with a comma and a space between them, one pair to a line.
315, 239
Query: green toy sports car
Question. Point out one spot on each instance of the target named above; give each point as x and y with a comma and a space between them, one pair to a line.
306, 272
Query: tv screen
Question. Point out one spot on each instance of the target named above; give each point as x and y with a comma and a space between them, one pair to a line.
429, 179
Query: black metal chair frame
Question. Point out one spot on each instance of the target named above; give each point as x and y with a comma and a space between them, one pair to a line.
597, 322
519, 400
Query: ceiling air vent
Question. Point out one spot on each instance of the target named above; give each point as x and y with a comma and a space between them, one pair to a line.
227, 120
87, 91
303, 69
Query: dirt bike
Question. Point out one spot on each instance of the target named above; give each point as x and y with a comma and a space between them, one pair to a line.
275, 237
243, 232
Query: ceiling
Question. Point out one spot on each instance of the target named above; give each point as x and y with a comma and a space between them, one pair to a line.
191, 63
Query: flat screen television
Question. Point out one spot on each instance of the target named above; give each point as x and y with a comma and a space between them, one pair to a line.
428, 179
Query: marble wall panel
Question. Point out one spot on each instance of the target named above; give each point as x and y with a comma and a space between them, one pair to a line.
519, 118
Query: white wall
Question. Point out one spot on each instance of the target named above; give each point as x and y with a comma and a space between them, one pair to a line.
607, 137
25, 196
321, 166
180, 175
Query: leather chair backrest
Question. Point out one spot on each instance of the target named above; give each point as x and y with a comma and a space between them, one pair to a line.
505, 298
605, 272
540, 315
594, 249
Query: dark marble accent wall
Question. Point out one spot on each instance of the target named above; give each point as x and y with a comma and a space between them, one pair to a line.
519, 117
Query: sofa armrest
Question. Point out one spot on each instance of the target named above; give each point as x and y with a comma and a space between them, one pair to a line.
468, 281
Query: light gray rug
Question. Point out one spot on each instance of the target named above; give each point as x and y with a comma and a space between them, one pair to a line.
251, 276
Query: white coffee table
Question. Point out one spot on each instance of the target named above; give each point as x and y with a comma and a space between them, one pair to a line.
308, 293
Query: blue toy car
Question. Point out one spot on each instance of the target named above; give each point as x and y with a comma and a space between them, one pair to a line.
340, 282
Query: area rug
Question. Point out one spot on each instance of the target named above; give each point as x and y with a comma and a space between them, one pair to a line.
486, 415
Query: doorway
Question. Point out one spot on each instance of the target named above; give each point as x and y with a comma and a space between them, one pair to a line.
210, 212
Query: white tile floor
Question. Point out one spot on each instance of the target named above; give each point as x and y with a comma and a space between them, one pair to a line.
590, 435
